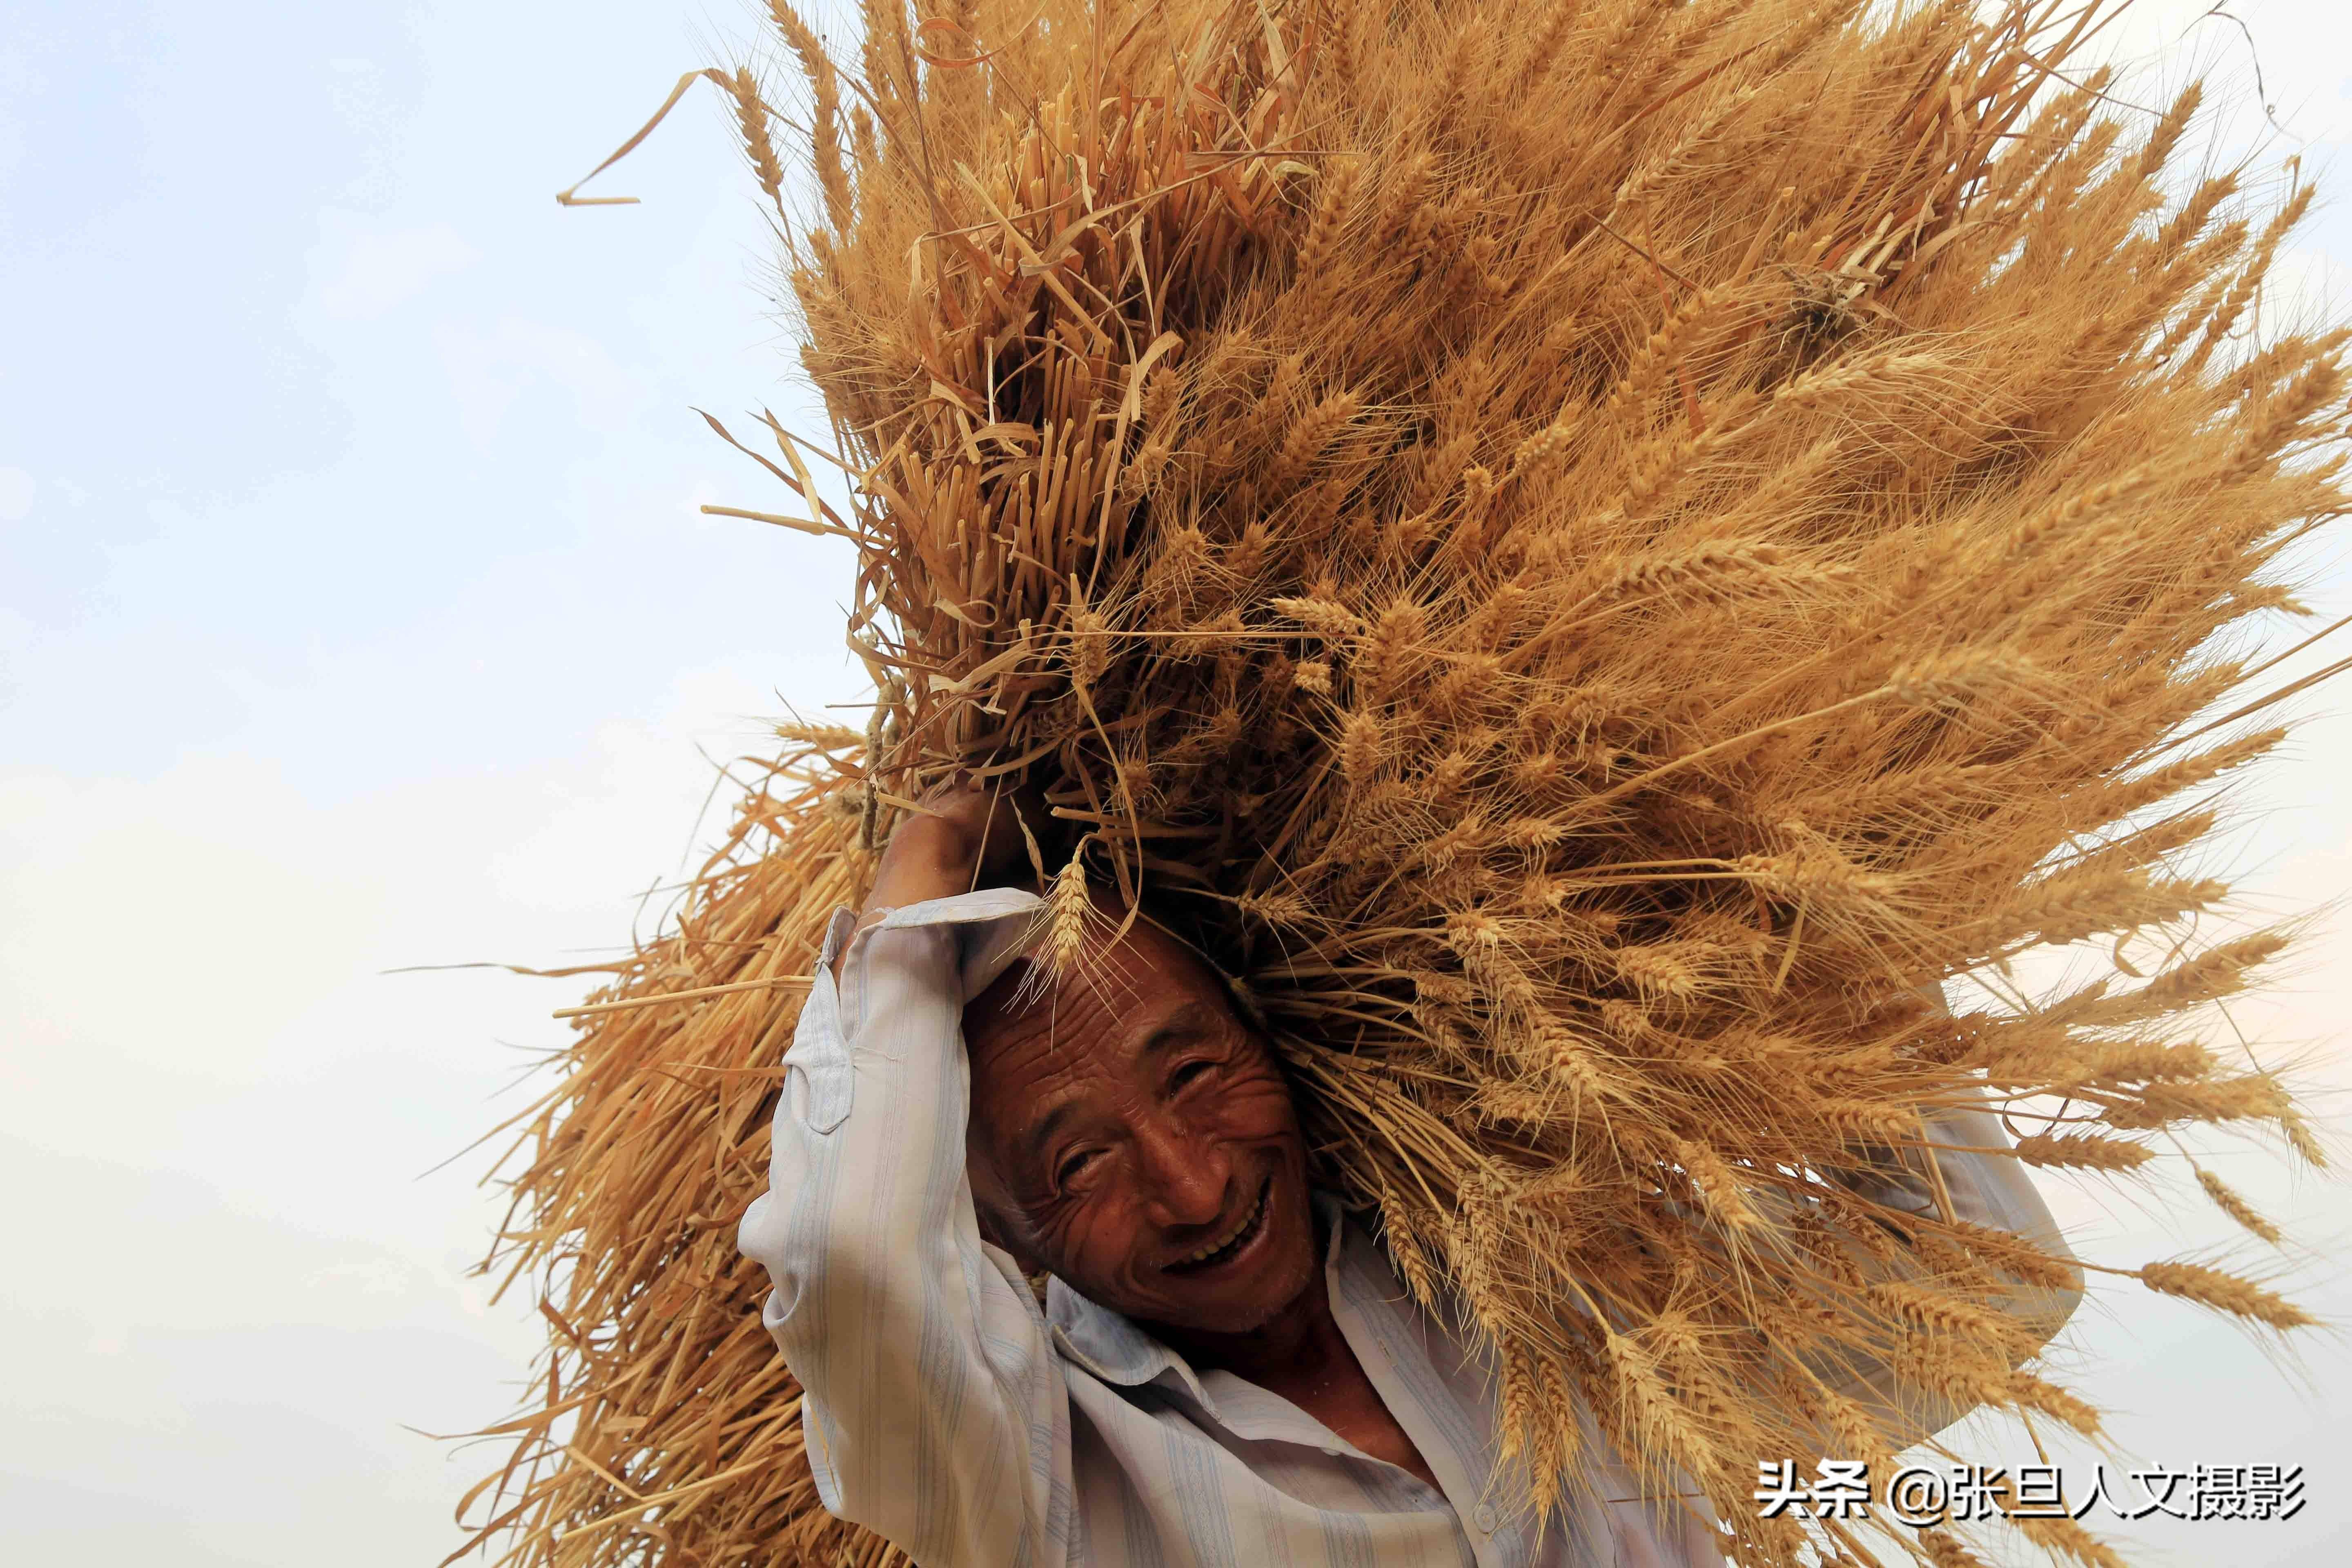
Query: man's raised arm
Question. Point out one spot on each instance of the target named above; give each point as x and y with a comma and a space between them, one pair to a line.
935, 1413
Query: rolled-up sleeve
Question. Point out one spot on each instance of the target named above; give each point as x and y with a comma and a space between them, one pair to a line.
1986, 1187
1960, 1172
934, 1411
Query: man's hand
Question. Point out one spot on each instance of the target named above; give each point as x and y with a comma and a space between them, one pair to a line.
964, 834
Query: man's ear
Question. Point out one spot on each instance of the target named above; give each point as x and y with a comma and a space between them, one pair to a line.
993, 1231
995, 1226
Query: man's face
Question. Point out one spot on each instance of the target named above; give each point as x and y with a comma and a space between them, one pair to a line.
1131, 1134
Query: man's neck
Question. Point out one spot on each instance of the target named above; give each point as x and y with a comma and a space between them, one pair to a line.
1301, 1355
1301, 1342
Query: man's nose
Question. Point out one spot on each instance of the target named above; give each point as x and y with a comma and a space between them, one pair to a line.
1186, 1177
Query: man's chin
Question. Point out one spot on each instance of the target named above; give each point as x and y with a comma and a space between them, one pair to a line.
1245, 1305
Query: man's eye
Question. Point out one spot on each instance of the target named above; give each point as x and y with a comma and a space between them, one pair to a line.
1075, 1166
1188, 1073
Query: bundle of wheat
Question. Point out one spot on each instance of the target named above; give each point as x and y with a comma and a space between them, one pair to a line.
1594, 550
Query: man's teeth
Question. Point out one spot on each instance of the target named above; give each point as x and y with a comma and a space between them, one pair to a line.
1248, 1220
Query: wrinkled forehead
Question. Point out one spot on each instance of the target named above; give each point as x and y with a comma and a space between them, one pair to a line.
1025, 1020
992, 949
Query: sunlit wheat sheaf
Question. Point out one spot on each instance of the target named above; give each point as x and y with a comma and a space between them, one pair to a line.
1593, 552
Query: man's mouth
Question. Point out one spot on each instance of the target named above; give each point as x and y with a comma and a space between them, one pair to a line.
1232, 1243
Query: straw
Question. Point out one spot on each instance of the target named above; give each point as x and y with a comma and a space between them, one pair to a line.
1587, 553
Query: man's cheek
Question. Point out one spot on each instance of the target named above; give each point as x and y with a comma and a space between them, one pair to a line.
1261, 1108
1061, 1241
1101, 1242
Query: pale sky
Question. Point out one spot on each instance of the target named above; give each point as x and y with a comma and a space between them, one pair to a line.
354, 613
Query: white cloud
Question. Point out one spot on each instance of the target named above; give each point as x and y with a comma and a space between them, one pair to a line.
371, 1277
15, 495
214, 1109
359, 274
489, 370
2297, 49
250, 904
2308, 287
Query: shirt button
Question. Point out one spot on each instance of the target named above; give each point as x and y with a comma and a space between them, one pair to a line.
1330, 1453
1484, 1518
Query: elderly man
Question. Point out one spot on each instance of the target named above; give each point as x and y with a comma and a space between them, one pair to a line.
1226, 1370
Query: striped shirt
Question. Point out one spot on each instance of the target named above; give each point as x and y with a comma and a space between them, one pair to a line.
949, 1412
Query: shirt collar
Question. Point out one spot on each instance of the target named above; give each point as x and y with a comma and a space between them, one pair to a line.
1105, 1342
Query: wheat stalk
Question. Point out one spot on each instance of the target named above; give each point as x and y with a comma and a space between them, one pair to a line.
2224, 1292
2230, 1202
1583, 675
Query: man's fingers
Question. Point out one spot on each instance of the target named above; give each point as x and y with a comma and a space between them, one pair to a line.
1006, 832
